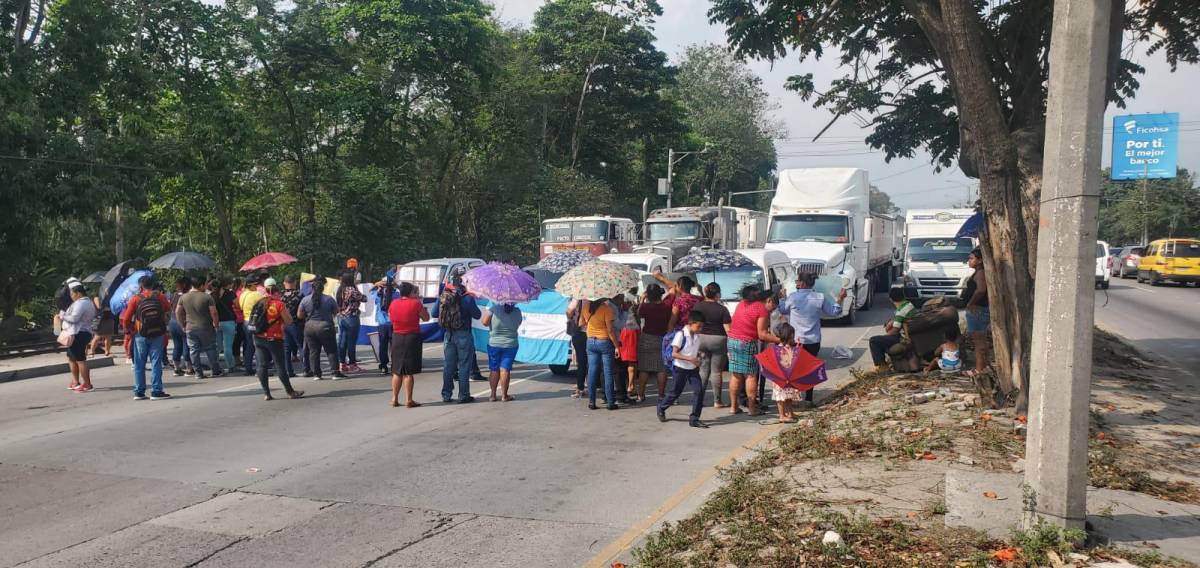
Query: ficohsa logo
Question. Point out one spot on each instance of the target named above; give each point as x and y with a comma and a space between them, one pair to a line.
1129, 126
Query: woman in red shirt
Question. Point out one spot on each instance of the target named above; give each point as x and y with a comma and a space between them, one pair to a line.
750, 325
654, 312
406, 314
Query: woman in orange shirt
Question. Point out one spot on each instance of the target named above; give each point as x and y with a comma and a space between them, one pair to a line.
603, 341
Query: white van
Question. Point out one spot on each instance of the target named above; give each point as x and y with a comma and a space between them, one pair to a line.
430, 274
772, 270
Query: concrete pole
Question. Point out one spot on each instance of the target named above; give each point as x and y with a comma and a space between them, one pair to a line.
670, 171
1061, 361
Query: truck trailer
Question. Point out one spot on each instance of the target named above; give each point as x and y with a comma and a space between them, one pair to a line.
821, 219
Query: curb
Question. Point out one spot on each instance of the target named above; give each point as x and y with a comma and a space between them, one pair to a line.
54, 369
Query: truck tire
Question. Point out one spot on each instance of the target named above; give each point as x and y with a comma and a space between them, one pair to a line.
883, 278
848, 319
560, 370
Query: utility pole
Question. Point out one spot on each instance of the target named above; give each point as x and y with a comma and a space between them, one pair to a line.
1146, 204
1061, 361
671, 161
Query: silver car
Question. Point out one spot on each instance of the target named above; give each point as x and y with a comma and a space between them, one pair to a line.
1125, 262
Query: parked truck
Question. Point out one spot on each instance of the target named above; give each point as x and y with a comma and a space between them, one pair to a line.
674, 232
597, 234
821, 219
935, 260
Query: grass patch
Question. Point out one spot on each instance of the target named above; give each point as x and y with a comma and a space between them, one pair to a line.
1143, 558
1105, 469
1036, 544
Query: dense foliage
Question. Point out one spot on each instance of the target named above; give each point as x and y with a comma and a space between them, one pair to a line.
386, 130
1162, 207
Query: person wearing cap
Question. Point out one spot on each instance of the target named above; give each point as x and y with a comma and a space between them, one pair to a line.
804, 309
269, 343
147, 343
458, 350
251, 294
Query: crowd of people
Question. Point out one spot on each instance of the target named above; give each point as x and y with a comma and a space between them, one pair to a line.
679, 334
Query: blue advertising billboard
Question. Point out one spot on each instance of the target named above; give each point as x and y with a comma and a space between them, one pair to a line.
1145, 146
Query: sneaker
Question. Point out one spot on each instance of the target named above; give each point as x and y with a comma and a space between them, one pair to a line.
139, 396
353, 368
159, 396
339, 376
662, 416
591, 406
178, 372
466, 400
613, 407
191, 373
697, 424
218, 374
384, 371
72, 387
317, 378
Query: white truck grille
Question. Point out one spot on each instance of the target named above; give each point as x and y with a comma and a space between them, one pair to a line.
809, 267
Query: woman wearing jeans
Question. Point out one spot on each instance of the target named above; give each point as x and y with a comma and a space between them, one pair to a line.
227, 326
180, 358
349, 301
602, 344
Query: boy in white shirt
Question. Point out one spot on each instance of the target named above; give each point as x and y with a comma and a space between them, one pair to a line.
685, 349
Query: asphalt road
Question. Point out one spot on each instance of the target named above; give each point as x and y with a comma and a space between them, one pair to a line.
218, 477
1163, 320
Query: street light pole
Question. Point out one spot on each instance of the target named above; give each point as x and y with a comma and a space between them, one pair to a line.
1061, 360
671, 161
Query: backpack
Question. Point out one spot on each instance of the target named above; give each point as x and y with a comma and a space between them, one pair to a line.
257, 322
450, 311
151, 316
668, 351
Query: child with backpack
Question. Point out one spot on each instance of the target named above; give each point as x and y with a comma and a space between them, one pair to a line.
145, 320
685, 354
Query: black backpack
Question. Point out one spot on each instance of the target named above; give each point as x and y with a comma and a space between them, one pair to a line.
257, 322
450, 311
151, 317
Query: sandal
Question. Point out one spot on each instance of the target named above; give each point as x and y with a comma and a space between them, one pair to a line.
412, 404
736, 411
720, 405
509, 398
395, 404
296, 394
577, 394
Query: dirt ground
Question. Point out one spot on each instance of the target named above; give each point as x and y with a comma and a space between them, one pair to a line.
870, 464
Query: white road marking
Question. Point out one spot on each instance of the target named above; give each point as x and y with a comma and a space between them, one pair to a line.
239, 387
511, 383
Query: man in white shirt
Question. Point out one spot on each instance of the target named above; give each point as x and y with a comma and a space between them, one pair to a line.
685, 349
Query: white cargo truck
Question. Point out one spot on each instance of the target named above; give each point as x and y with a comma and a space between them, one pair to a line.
821, 219
935, 260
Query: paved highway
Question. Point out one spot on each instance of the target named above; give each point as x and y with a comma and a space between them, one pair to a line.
1163, 320
216, 476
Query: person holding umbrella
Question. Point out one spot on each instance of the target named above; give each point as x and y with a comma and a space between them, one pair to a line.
791, 369
504, 285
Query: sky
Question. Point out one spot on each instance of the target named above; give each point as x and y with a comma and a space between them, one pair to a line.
912, 183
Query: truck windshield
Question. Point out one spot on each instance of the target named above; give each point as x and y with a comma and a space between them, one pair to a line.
574, 231
674, 231
939, 249
732, 280
809, 228
637, 266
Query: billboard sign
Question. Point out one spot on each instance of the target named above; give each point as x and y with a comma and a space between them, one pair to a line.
1145, 146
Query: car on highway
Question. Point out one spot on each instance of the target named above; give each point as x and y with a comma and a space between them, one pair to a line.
1104, 262
1125, 261
1175, 260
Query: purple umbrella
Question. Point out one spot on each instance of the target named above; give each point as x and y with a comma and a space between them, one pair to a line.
502, 283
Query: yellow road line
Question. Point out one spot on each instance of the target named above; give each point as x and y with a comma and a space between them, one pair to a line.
610, 553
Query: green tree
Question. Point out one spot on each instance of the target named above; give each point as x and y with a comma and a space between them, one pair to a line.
727, 110
881, 202
964, 81
1164, 207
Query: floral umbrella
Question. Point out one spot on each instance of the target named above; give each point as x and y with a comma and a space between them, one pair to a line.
710, 260
267, 260
565, 260
800, 371
502, 283
597, 279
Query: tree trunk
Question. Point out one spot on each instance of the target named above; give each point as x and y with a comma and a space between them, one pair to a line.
224, 226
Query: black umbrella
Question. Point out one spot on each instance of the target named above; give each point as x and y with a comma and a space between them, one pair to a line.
184, 261
114, 277
93, 278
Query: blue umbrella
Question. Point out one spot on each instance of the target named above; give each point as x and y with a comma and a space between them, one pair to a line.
971, 227
709, 260
562, 261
